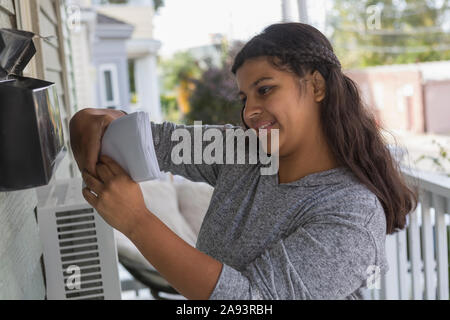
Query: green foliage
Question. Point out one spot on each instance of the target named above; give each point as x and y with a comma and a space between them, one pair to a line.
178, 70
170, 109
440, 160
131, 65
215, 100
158, 4
210, 103
408, 31
181, 67
213, 88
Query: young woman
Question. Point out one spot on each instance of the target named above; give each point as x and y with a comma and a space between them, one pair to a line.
314, 230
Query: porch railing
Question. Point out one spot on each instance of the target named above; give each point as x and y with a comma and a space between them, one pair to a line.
418, 256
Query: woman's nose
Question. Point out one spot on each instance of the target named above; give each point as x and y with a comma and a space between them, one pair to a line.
251, 110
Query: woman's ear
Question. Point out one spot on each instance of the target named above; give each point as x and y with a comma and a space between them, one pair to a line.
319, 86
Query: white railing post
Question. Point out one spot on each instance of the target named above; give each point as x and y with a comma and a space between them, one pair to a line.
426, 243
440, 207
402, 262
414, 254
390, 280
428, 247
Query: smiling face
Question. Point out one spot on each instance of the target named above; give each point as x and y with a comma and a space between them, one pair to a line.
275, 96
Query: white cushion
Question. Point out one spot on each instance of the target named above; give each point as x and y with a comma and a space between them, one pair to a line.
193, 202
161, 199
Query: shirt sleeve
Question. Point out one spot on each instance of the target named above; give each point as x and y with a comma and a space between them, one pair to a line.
165, 139
327, 259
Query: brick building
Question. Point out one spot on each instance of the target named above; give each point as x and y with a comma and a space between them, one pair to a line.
412, 97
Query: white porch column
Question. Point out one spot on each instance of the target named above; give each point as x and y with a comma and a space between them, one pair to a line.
287, 11
146, 77
144, 53
303, 11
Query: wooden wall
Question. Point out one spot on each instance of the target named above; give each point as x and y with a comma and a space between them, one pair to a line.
21, 272
55, 59
21, 275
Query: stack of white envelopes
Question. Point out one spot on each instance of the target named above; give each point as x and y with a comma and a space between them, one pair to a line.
129, 141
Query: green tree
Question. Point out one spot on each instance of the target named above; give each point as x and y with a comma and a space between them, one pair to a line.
182, 66
377, 32
178, 74
440, 161
214, 99
169, 108
158, 4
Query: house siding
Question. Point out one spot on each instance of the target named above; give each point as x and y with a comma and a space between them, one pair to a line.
21, 274
383, 91
21, 268
437, 112
55, 64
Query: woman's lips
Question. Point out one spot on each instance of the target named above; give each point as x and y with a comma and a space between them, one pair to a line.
267, 127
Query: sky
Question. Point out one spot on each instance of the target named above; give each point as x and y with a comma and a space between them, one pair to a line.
183, 24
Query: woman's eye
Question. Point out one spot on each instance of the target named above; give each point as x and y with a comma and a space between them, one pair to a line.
264, 90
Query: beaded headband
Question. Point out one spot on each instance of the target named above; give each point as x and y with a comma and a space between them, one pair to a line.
311, 53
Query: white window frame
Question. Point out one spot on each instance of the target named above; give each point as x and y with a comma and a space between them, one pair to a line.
111, 67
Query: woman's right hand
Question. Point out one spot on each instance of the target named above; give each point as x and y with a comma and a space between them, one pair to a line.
86, 132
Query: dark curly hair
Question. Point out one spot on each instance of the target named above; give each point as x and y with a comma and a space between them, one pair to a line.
350, 129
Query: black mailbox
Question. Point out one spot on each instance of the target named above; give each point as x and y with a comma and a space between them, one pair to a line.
31, 135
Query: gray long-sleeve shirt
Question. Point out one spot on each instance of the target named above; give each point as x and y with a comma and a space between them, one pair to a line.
320, 237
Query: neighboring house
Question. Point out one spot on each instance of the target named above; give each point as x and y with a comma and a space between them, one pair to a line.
100, 54
110, 59
413, 97
111, 40
21, 272
142, 50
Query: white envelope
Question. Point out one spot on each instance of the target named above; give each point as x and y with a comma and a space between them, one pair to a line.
129, 141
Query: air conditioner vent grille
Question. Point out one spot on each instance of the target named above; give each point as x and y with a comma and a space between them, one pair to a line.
74, 253
96, 292
83, 271
74, 212
83, 263
77, 242
87, 278
79, 249
73, 220
77, 235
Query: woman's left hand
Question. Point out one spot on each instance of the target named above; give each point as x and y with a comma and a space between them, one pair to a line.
119, 199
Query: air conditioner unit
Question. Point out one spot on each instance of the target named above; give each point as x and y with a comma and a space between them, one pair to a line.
80, 254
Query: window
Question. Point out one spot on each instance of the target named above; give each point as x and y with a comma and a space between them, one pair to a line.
109, 86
